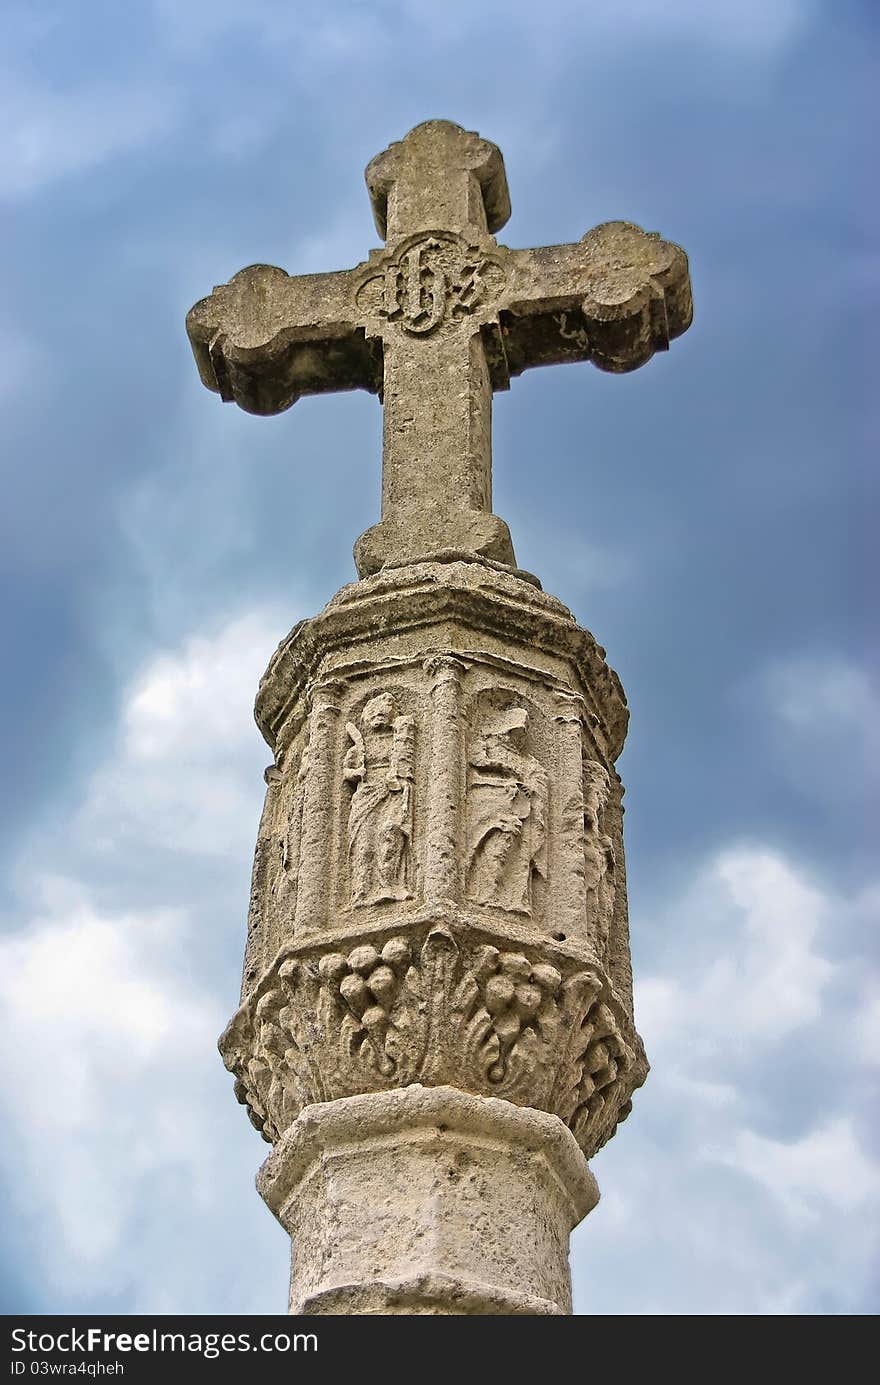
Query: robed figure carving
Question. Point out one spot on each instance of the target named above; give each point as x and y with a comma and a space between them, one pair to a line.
507, 815
379, 764
599, 857
285, 888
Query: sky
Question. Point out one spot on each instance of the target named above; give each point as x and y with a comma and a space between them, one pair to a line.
708, 517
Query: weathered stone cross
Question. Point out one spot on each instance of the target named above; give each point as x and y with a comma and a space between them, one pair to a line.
433, 324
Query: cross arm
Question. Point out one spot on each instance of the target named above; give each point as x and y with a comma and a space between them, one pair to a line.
267, 338
614, 298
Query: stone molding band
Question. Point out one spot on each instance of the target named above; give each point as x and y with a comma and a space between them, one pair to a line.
428, 1201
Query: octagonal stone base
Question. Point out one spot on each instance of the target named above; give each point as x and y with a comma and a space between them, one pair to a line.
428, 1201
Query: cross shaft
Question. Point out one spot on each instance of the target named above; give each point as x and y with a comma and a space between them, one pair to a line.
433, 324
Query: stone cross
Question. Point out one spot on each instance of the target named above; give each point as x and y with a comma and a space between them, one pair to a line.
436, 1025
433, 324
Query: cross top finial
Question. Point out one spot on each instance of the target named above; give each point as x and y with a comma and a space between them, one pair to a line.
439, 177
434, 323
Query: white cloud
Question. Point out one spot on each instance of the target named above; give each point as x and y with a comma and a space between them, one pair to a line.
826, 1169
776, 984
828, 699
103, 1077
866, 1025
129, 1157
50, 134
185, 772
190, 700
740, 1184
756, 974
131, 1166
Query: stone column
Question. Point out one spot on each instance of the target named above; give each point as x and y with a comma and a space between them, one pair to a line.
445, 791
434, 1073
428, 1200
421, 1070
571, 899
319, 811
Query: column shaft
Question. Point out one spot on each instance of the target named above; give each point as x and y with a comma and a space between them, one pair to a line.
570, 914
445, 785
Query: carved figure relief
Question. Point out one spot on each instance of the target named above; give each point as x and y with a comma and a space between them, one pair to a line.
379, 766
291, 840
276, 862
599, 857
507, 815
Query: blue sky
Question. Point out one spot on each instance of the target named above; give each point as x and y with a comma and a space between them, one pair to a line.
707, 517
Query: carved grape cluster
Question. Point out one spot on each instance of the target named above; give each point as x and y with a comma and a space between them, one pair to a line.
518, 994
367, 982
424, 1009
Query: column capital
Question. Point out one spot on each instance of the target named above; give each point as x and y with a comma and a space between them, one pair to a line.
569, 706
444, 668
327, 695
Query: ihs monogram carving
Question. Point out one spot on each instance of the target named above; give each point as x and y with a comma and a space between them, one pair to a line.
433, 279
379, 767
491, 1021
507, 815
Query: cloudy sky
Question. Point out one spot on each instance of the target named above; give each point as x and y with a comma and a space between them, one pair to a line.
707, 517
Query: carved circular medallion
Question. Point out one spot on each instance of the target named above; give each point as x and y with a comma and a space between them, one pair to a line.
432, 279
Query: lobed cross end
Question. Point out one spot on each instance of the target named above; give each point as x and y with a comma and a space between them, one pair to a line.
439, 177
267, 338
614, 298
